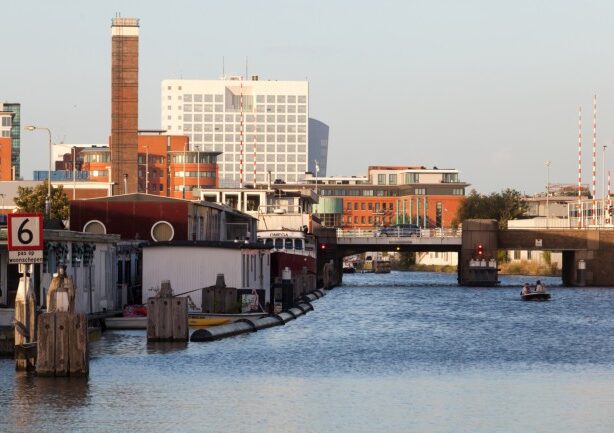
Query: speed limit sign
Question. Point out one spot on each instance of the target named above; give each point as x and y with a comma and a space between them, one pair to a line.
25, 237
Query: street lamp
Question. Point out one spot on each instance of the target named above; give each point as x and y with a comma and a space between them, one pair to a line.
548, 193
48, 200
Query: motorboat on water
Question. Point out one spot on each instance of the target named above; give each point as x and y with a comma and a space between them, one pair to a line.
531, 293
535, 297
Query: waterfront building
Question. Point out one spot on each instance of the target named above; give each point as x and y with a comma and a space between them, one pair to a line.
10, 138
388, 195
142, 218
243, 119
89, 260
318, 147
191, 266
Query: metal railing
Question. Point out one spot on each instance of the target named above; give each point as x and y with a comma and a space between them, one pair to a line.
397, 232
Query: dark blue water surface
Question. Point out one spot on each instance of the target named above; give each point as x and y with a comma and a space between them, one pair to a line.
383, 353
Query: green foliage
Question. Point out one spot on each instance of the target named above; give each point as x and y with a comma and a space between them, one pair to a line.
33, 200
547, 256
501, 206
502, 256
405, 261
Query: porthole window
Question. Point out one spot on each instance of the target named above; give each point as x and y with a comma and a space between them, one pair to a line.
95, 226
162, 231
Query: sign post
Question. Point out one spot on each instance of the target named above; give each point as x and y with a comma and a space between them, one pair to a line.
25, 238
25, 245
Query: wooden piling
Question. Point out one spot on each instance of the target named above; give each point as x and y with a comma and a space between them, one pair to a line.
167, 319
62, 345
25, 320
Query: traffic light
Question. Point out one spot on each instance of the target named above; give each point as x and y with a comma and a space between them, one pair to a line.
480, 250
322, 246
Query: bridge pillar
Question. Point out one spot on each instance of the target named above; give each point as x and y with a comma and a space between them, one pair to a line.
477, 264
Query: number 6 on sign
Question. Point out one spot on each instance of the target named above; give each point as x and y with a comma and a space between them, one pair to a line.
25, 231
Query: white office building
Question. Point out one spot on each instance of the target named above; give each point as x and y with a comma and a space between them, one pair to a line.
242, 118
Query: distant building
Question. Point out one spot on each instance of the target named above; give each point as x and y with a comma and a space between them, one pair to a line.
161, 169
318, 147
388, 195
10, 126
233, 115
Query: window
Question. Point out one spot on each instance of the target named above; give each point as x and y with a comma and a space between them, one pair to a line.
298, 244
349, 206
458, 191
370, 206
363, 206
162, 231
279, 243
420, 191
381, 179
529, 255
412, 178
392, 179
516, 254
355, 206
449, 177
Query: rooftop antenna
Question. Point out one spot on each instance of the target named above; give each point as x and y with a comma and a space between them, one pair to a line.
580, 210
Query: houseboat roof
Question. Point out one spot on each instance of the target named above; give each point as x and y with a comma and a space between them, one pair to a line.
209, 244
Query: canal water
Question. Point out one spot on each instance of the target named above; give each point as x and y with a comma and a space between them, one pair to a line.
402, 352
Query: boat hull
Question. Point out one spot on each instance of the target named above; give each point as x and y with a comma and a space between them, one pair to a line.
536, 297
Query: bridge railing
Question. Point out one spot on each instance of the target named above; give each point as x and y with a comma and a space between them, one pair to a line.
396, 232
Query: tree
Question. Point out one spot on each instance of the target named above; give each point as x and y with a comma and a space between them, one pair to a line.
501, 206
32, 199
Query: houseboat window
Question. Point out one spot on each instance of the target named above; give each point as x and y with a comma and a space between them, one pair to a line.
289, 244
269, 242
298, 244
279, 243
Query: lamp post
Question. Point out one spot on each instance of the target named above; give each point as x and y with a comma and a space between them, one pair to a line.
198, 167
548, 194
74, 172
48, 200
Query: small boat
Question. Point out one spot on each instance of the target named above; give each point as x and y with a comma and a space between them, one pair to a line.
207, 321
539, 296
134, 322
228, 317
533, 294
349, 269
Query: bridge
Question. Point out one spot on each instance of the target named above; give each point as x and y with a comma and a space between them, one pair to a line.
588, 254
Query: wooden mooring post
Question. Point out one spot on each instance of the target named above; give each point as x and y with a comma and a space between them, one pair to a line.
167, 316
25, 321
62, 345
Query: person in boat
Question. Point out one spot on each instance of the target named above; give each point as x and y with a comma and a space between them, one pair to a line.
525, 289
539, 287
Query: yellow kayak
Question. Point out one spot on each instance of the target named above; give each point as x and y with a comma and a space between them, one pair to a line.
207, 321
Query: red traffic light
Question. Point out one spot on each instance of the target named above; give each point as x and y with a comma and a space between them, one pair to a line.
322, 246
480, 250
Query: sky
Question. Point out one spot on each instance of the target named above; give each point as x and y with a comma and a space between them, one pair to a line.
491, 88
